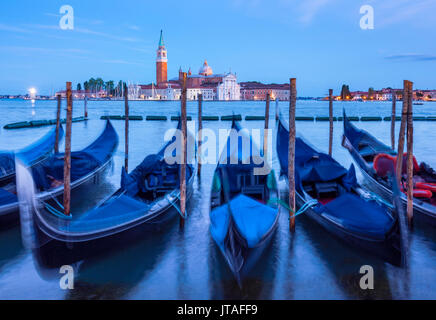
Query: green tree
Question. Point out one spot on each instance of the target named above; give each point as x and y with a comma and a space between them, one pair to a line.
92, 85
79, 87
99, 84
109, 86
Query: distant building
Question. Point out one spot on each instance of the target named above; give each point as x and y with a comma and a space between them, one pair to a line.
257, 91
426, 95
211, 86
80, 94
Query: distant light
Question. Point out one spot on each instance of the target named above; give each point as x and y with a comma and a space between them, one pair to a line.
32, 91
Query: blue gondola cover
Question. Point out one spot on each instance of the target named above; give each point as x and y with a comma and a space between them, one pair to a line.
252, 219
354, 213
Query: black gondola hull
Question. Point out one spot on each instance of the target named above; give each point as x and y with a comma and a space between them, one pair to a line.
55, 253
9, 216
251, 256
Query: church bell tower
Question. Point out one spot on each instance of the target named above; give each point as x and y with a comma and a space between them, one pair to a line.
161, 62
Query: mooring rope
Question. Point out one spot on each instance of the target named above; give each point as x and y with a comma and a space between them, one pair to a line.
307, 205
375, 197
56, 212
177, 208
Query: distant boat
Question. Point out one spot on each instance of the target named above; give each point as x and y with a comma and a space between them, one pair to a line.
334, 199
243, 214
31, 155
373, 157
418, 103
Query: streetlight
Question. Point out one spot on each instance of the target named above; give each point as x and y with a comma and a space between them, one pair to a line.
32, 93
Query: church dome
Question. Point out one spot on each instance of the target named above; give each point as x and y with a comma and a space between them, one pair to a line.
205, 70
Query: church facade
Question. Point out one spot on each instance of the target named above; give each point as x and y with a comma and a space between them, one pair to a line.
211, 86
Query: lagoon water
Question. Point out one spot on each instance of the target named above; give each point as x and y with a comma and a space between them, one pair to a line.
174, 264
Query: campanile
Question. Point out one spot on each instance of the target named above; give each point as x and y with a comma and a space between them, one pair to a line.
161, 62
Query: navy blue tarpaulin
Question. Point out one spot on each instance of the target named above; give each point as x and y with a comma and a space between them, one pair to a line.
354, 213
7, 197
7, 163
82, 162
30, 154
310, 165
347, 209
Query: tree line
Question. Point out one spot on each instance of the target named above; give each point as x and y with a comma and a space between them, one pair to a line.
95, 85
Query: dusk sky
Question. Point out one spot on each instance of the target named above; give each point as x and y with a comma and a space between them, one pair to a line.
319, 42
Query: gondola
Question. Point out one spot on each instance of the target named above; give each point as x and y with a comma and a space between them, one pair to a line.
375, 159
339, 204
31, 156
243, 204
147, 199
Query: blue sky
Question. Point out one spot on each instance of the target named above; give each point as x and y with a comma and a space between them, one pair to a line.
317, 41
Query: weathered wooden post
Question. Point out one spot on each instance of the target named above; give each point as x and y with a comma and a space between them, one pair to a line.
200, 127
410, 153
265, 133
126, 115
86, 106
67, 155
399, 167
291, 152
58, 123
277, 109
331, 121
393, 118
183, 154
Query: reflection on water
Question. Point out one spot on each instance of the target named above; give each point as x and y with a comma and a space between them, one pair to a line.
175, 264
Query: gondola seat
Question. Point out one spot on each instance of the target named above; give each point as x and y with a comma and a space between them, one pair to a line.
384, 163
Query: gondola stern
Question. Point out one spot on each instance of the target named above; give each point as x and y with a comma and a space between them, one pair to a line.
27, 203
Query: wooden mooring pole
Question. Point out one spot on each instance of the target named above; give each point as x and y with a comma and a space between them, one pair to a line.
86, 106
393, 118
200, 127
277, 109
126, 132
331, 122
399, 166
58, 123
291, 152
183, 154
410, 153
265, 133
67, 155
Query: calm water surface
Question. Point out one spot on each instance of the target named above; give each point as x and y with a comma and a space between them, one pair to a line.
174, 264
